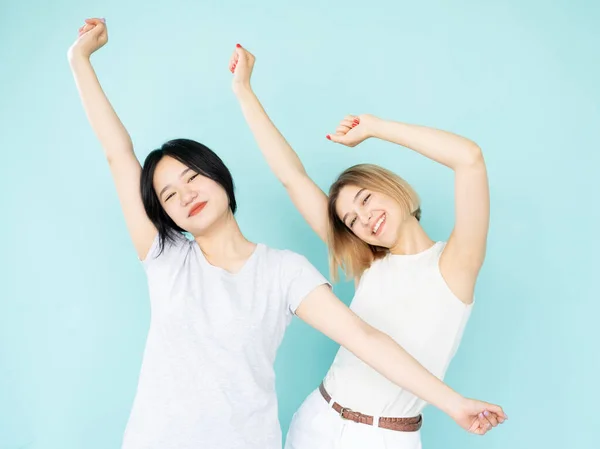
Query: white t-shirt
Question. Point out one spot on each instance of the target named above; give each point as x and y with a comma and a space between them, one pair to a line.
207, 379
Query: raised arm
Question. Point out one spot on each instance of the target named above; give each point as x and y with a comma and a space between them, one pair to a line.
308, 198
322, 310
465, 252
111, 133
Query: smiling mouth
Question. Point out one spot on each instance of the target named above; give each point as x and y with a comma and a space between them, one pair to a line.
378, 224
196, 209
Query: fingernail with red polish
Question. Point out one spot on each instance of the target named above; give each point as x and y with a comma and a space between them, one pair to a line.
354, 124
238, 45
328, 137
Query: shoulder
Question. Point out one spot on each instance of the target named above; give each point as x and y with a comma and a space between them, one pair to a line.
376, 266
431, 258
289, 264
173, 248
438, 248
284, 255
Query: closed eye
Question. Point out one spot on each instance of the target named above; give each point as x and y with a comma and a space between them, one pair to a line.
169, 196
366, 199
192, 177
352, 222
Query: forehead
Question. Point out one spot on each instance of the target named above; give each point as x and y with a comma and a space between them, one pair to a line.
345, 200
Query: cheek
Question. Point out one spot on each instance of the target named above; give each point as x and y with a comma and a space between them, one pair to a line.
173, 210
173, 216
218, 199
222, 197
361, 233
381, 205
390, 208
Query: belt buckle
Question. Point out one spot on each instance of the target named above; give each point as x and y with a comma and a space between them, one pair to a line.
345, 409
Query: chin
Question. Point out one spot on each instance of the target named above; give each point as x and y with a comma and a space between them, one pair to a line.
384, 243
206, 224
196, 225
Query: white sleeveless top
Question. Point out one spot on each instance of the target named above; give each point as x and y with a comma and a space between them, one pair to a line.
406, 297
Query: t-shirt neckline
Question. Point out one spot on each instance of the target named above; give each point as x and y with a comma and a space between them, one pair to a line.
245, 267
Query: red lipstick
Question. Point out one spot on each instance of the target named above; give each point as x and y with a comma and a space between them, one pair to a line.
196, 208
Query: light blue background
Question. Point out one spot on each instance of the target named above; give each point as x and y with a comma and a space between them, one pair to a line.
520, 78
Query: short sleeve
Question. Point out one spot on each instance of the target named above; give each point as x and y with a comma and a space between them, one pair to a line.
179, 244
299, 279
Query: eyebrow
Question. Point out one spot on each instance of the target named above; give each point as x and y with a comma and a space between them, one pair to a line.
354, 201
169, 185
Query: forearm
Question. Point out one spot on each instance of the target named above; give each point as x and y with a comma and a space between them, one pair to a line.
384, 355
280, 156
107, 126
326, 313
444, 147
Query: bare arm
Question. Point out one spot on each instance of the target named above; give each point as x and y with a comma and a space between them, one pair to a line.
465, 252
322, 310
111, 133
308, 198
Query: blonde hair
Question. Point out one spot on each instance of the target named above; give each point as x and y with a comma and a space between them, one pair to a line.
346, 250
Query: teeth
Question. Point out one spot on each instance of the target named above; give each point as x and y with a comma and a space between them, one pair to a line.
381, 220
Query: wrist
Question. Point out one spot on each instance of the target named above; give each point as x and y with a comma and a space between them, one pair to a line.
242, 90
376, 127
452, 403
77, 59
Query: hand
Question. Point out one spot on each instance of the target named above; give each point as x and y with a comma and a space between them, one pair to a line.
92, 36
241, 65
353, 130
476, 416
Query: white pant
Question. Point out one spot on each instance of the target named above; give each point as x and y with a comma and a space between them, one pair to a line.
317, 426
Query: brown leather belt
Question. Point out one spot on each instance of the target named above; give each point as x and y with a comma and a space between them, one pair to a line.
399, 424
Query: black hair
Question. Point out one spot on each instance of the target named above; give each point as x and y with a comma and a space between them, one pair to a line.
194, 155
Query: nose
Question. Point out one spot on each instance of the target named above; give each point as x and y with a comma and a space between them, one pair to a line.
187, 196
365, 217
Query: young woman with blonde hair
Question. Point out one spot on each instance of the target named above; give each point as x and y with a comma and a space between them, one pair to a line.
418, 291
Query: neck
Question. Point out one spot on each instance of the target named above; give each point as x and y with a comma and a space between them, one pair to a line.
224, 241
413, 238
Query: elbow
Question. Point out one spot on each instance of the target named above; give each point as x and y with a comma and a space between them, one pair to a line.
370, 334
362, 338
473, 155
469, 155
112, 158
286, 182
